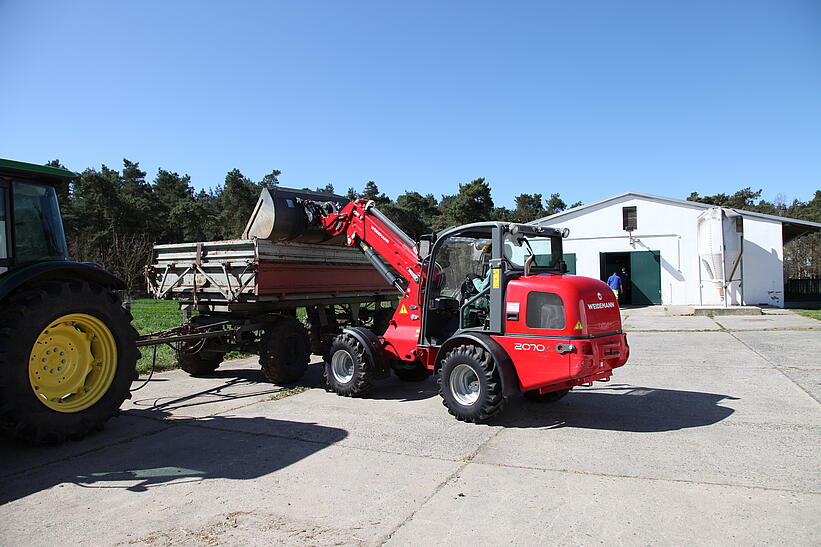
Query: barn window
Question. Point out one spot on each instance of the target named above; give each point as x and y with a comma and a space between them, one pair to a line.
628, 216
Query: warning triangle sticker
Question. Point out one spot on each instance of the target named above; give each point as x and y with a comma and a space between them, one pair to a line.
578, 326
403, 309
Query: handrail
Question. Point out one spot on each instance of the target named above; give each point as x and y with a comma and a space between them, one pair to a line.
467, 303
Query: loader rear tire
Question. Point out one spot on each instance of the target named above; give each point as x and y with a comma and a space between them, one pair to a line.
469, 384
552, 397
348, 370
285, 351
68, 355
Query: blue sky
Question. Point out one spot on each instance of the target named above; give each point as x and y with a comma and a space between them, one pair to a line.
584, 98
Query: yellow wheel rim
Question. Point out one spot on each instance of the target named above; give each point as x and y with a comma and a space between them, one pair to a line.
72, 363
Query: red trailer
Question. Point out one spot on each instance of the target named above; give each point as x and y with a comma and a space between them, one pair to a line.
249, 295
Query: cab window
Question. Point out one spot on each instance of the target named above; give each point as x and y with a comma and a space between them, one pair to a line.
38, 231
545, 310
518, 248
4, 231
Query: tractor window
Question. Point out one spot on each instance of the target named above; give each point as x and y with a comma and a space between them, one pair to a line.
38, 230
4, 236
545, 310
518, 249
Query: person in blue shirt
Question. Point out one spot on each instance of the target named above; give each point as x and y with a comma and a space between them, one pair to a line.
615, 283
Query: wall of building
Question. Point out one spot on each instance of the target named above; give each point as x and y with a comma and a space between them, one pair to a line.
763, 262
671, 230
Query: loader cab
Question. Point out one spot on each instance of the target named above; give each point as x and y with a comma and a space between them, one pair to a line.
31, 229
468, 270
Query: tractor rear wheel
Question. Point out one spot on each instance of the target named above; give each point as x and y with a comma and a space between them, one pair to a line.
68, 356
285, 351
469, 384
348, 370
552, 397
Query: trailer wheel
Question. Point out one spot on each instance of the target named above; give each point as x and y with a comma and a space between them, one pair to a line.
552, 397
348, 371
469, 384
196, 359
68, 356
411, 373
284, 351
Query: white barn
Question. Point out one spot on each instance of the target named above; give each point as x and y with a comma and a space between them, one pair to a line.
661, 255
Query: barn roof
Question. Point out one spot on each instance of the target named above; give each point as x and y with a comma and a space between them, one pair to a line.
792, 227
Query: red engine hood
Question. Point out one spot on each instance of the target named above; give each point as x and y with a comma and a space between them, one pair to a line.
590, 306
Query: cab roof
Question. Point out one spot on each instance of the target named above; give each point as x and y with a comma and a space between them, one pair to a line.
43, 173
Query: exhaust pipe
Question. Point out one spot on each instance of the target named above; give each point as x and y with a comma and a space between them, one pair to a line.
278, 216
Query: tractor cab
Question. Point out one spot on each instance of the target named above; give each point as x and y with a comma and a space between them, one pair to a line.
469, 268
31, 230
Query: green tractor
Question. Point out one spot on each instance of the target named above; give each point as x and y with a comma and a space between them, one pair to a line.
68, 351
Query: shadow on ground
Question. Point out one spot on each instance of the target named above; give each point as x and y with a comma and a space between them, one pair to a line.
614, 407
233, 389
620, 407
190, 451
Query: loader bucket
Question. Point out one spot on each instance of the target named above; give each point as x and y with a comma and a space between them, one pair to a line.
277, 216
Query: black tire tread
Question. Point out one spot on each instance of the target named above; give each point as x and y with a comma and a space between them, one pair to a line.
25, 313
197, 362
364, 373
493, 401
273, 358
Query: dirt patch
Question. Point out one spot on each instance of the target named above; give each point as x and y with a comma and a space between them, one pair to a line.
247, 528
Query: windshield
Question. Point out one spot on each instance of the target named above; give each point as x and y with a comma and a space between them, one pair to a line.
518, 248
38, 230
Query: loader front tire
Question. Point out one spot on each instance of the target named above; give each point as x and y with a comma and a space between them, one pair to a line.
348, 370
285, 351
68, 355
469, 384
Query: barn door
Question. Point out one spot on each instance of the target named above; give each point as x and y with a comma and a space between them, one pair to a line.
645, 274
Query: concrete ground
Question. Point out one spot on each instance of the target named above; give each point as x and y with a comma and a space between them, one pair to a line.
709, 435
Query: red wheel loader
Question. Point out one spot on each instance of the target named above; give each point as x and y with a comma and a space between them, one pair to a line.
487, 305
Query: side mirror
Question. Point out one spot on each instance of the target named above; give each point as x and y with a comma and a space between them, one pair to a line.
425, 244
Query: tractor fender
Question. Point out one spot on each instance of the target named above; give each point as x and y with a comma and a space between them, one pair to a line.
58, 269
501, 359
373, 348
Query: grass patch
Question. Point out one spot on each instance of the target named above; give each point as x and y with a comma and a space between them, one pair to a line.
152, 316
156, 315
285, 393
812, 314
